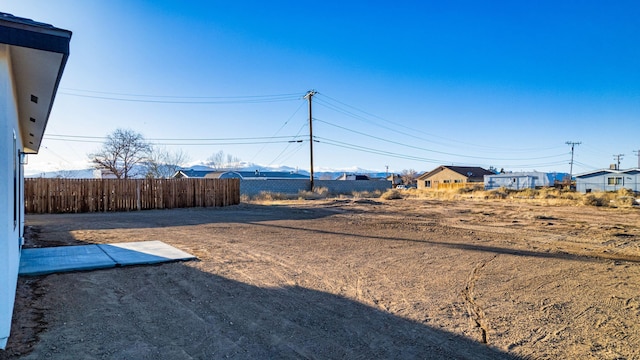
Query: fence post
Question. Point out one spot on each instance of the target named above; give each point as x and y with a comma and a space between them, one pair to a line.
138, 199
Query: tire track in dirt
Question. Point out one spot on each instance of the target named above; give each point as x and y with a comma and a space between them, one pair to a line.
473, 309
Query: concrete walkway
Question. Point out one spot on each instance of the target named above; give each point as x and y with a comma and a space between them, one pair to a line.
90, 257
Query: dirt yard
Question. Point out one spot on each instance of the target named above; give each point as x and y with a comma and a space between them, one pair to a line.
356, 279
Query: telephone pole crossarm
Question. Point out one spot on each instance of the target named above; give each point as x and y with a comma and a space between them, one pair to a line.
617, 158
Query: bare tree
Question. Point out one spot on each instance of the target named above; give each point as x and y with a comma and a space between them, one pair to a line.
162, 163
409, 176
221, 161
233, 162
216, 160
121, 153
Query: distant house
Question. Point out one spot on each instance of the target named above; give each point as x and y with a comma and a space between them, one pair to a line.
608, 180
103, 174
346, 176
32, 58
188, 173
243, 175
521, 180
396, 179
444, 176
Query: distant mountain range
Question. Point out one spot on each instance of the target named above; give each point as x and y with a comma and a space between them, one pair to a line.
322, 174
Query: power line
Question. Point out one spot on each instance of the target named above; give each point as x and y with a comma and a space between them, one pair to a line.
62, 137
430, 150
398, 125
189, 100
297, 95
289, 144
223, 142
412, 157
281, 127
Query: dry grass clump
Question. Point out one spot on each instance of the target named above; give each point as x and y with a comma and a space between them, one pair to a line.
543, 196
270, 196
431, 194
470, 189
623, 198
317, 193
620, 198
391, 194
499, 193
592, 200
367, 194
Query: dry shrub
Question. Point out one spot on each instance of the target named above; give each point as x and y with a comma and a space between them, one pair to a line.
549, 193
322, 191
367, 194
465, 190
499, 193
624, 198
626, 192
270, 196
625, 201
308, 195
318, 192
571, 195
620, 198
592, 200
529, 193
391, 194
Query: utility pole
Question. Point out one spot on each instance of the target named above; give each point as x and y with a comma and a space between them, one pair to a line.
572, 144
309, 96
617, 158
638, 153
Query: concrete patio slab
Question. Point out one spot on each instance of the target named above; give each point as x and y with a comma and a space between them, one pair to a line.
63, 258
144, 252
91, 257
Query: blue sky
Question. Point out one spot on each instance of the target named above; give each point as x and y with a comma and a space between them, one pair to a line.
411, 85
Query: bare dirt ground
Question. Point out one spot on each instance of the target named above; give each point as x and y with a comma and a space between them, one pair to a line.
357, 279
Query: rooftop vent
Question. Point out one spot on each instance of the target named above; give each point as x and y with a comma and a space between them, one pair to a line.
34, 99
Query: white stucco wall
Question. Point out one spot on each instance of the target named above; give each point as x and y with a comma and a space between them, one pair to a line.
10, 231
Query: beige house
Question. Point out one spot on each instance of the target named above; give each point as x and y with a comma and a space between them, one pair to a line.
451, 177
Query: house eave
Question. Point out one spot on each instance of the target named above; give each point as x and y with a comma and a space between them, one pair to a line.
38, 54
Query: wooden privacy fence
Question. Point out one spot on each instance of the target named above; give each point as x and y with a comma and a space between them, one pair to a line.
43, 195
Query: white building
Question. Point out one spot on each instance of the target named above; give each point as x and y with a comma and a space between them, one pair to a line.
32, 59
521, 180
608, 180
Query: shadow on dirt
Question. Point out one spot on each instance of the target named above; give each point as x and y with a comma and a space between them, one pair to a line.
243, 213
59, 226
174, 311
472, 247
